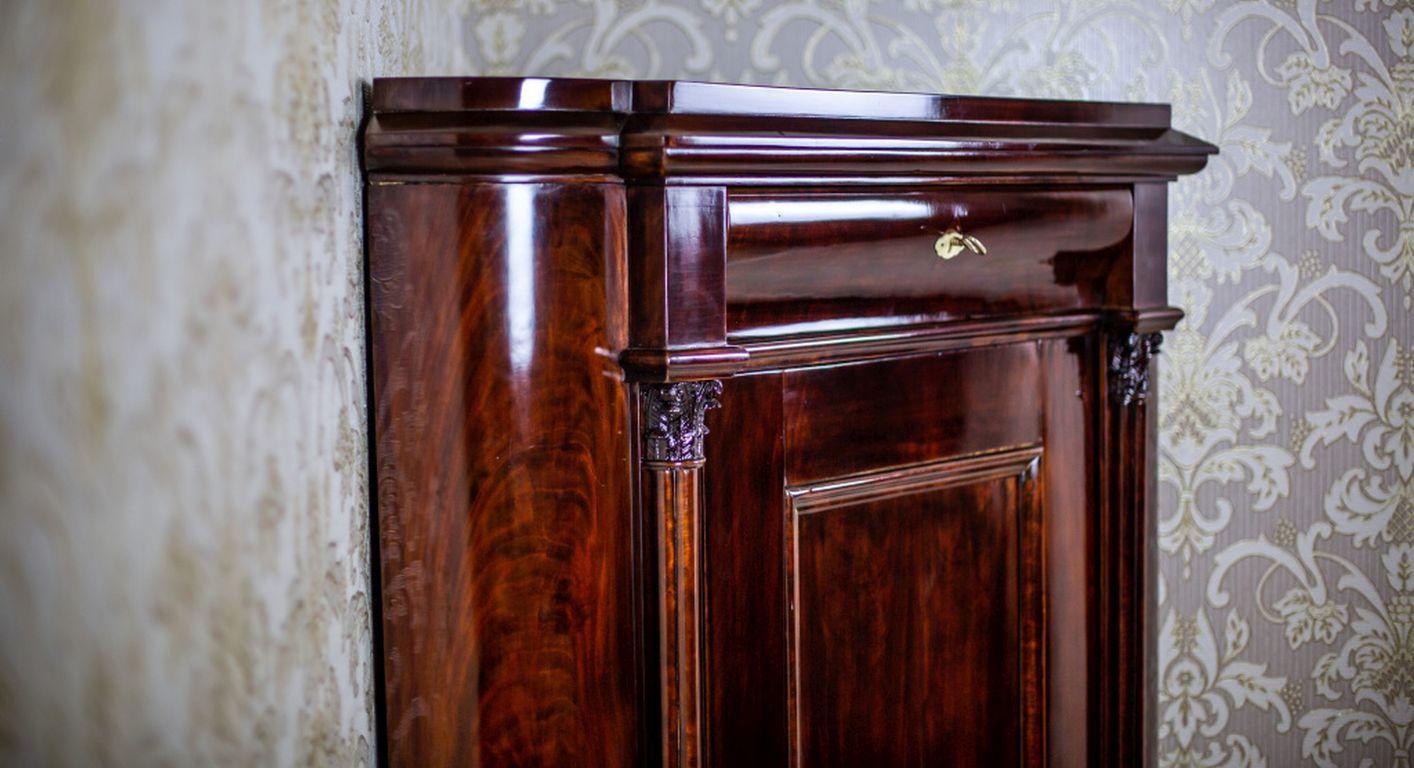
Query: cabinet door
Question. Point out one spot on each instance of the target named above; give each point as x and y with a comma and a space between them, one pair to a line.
923, 599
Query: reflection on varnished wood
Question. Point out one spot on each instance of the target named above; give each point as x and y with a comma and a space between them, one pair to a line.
917, 409
916, 530
797, 261
502, 475
944, 665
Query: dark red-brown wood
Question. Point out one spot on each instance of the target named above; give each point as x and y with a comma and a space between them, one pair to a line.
802, 261
503, 473
745, 587
916, 530
941, 666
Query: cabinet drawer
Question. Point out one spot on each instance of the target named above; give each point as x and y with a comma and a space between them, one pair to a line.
836, 260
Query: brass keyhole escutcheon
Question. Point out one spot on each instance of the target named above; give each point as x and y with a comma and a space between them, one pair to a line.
951, 243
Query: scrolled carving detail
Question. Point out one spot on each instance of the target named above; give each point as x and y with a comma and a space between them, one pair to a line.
673, 414
1129, 365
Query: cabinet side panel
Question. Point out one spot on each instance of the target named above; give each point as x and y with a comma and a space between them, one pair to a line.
502, 473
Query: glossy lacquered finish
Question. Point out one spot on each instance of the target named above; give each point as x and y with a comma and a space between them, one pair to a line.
674, 131
943, 666
802, 261
503, 480
737, 426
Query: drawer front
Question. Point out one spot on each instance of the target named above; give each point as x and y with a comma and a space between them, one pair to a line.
801, 262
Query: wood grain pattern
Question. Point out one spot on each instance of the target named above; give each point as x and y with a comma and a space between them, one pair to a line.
672, 498
826, 261
1069, 391
747, 607
503, 474
918, 409
864, 344
676, 265
943, 665
672, 418
884, 436
749, 135
916, 530
1128, 475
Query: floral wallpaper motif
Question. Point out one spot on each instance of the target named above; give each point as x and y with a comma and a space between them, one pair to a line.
183, 490
184, 538
1286, 527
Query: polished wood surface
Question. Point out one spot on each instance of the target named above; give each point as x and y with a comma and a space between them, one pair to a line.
686, 132
918, 409
503, 474
1128, 478
941, 667
912, 466
726, 425
1068, 399
676, 492
806, 262
745, 585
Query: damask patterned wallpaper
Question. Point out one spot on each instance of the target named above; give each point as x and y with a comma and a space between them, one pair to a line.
183, 483
183, 491
1287, 395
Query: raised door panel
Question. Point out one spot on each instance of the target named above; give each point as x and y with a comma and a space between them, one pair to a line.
916, 508
917, 593
845, 419
899, 561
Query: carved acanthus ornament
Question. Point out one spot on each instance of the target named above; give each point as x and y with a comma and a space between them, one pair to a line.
673, 415
1129, 365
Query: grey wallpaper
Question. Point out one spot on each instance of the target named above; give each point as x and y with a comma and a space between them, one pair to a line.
1287, 395
184, 575
183, 492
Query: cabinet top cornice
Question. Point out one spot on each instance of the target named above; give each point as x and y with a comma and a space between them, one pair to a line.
698, 132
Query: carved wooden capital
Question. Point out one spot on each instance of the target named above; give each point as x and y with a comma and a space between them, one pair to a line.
1129, 365
673, 428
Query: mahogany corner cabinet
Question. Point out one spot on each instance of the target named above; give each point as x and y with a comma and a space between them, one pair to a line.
722, 425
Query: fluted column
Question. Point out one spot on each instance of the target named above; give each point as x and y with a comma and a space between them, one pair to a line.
672, 418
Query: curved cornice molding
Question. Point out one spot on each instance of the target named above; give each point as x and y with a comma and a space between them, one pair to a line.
671, 131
